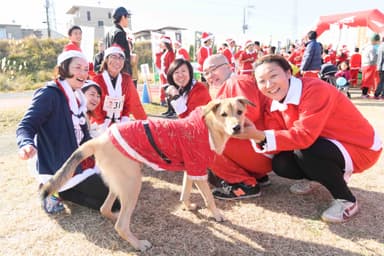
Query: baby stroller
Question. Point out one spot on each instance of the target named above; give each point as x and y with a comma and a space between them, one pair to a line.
327, 73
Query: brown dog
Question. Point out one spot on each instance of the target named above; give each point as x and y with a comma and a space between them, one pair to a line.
120, 153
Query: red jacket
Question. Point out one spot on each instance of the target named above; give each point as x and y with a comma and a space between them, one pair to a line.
246, 61
182, 53
197, 96
202, 54
355, 61
166, 59
132, 103
322, 111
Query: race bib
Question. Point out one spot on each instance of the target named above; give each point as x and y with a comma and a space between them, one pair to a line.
113, 106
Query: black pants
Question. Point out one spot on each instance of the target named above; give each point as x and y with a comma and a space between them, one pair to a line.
322, 162
90, 193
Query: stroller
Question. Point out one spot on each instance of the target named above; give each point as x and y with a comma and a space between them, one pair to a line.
327, 73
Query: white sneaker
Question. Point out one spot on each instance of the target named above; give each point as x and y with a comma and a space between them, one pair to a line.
340, 211
304, 187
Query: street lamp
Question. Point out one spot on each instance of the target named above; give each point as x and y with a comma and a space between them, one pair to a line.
245, 12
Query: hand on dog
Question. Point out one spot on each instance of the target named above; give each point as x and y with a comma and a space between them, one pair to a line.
250, 132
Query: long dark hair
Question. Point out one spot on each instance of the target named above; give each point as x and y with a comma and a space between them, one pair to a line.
177, 63
274, 58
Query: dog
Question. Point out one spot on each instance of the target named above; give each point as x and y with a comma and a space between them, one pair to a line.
121, 151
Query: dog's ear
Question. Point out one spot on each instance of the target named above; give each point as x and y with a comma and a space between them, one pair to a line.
211, 106
245, 101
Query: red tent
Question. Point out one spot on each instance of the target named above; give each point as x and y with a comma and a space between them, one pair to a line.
374, 19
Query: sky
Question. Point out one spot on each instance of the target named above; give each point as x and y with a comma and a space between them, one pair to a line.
266, 20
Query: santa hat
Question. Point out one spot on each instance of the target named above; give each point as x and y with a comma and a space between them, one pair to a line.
70, 54
113, 49
205, 37
248, 43
165, 39
89, 83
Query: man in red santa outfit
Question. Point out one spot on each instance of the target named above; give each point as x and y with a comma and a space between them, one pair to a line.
239, 172
204, 51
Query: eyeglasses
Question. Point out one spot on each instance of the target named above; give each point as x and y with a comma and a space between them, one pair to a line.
116, 57
213, 69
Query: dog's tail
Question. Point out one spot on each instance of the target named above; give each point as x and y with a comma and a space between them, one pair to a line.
67, 169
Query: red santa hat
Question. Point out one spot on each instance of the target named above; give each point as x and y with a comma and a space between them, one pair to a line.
113, 49
165, 39
65, 55
205, 37
248, 43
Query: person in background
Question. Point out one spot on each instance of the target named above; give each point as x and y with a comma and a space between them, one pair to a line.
247, 58
166, 59
316, 133
185, 93
75, 35
204, 51
180, 52
53, 128
119, 97
134, 62
355, 66
368, 66
99, 56
343, 71
118, 36
239, 172
379, 93
225, 50
312, 59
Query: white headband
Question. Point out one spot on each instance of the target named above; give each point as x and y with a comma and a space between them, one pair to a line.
70, 54
113, 49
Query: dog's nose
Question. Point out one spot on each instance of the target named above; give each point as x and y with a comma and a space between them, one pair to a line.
236, 129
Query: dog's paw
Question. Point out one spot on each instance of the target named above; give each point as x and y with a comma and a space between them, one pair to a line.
144, 245
219, 217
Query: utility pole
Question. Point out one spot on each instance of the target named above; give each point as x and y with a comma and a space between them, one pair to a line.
245, 17
47, 6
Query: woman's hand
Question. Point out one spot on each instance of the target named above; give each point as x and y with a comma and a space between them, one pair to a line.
250, 132
27, 152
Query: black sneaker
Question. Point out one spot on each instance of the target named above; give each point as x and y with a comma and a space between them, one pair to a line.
236, 191
213, 179
264, 181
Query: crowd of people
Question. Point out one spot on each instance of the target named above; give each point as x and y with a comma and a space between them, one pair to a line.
296, 128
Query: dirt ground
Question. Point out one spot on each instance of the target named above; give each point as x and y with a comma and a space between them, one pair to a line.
277, 223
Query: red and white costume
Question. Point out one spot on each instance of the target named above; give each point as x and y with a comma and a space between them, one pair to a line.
314, 108
239, 162
203, 53
246, 60
124, 87
355, 66
186, 142
181, 53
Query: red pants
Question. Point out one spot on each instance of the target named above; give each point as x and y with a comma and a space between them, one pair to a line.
240, 163
354, 76
311, 73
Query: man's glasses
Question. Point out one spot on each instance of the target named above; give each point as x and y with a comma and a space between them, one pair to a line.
213, 69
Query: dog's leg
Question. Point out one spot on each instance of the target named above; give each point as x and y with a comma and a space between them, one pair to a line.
106, 208
186, 193
128, 193
206, 193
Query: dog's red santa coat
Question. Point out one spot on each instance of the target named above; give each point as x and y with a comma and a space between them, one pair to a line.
186, 142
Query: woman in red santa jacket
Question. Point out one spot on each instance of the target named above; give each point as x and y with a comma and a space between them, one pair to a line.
119, 96
317, 132
165, 61
248, 58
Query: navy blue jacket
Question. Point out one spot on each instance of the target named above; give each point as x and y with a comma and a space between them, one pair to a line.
312, 59
49, 119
